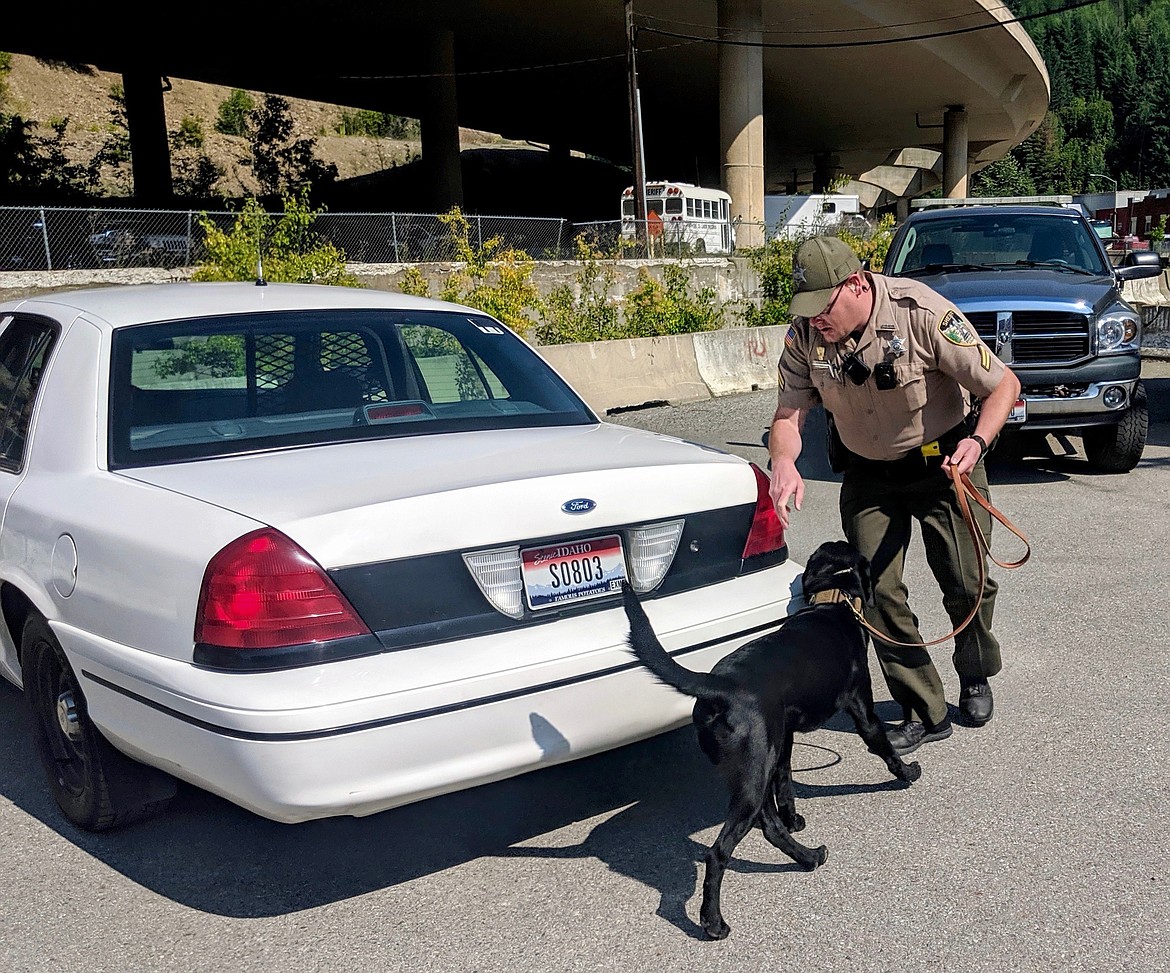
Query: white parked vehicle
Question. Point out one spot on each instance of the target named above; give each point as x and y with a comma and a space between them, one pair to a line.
679, 214
792, 216
324, 551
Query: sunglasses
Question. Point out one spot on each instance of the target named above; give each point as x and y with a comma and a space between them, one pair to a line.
829, 307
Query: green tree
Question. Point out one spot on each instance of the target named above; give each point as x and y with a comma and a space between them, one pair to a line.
379, 125
1005, 177
282, 163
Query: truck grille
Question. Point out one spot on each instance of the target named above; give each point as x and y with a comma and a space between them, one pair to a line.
1038, 337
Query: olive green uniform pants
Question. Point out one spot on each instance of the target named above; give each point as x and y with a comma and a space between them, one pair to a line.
879, 502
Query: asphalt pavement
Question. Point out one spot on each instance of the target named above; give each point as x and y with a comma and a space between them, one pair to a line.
1039, 842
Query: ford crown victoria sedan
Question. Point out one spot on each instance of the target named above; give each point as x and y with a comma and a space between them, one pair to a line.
325, 551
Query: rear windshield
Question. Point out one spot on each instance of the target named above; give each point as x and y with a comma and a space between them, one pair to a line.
998, 240
211, 387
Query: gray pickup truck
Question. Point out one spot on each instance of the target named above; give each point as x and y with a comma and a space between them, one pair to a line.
1038, 286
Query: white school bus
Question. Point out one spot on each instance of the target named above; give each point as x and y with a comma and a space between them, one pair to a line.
682, 214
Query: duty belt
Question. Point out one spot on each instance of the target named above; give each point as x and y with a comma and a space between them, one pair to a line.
916, 462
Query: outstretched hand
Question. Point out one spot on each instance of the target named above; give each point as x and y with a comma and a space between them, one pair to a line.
786, 484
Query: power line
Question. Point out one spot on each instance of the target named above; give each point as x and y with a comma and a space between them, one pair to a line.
870, 43
778, 27
689, 39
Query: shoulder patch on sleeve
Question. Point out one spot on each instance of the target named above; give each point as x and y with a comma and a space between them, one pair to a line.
957, 330
790, 335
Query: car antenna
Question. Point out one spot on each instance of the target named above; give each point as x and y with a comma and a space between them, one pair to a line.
260, 281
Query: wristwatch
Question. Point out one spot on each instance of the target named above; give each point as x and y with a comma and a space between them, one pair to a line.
982, 444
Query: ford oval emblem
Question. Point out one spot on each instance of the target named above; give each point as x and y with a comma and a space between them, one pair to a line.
582, 505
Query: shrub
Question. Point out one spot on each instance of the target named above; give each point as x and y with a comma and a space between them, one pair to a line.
585, 312
667, 307
874, 245
291, 251
232, 118
495, 279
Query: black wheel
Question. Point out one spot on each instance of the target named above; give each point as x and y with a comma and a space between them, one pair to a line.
700, 246
1118, 448
95, 786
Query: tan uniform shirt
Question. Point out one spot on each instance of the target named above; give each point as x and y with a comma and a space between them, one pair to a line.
936, 355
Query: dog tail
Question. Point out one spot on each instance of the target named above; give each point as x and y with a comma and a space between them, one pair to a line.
645, 645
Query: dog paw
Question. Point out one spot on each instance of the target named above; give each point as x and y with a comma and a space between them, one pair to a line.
796, 824
818, 857
912, 771
717, 930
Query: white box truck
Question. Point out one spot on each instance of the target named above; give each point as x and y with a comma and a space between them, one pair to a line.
786, 216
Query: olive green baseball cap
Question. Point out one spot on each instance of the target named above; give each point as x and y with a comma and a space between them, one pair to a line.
818, 266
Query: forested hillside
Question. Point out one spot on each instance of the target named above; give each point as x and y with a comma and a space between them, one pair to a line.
1109, 64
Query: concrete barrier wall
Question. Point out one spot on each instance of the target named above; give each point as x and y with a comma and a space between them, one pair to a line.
631, 371
677, 368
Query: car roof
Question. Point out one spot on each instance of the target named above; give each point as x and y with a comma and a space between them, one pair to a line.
945, 212
128, 305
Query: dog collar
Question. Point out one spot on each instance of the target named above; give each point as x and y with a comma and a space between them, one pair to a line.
832, 596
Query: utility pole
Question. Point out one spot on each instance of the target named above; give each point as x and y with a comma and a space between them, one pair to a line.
636, 122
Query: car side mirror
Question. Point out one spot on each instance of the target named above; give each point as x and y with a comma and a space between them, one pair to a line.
1138, 264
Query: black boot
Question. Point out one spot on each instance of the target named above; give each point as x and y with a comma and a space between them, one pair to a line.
975, 702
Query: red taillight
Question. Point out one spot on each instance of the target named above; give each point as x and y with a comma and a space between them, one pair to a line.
263, 592
767, 533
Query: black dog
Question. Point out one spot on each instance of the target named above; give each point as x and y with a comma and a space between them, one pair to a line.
751, 703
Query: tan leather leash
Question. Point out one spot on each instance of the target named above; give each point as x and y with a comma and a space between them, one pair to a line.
965, 491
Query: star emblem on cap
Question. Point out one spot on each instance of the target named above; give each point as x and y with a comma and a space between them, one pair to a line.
797, 274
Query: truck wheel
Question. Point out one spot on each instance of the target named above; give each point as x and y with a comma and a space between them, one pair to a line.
96, 786
1118, 448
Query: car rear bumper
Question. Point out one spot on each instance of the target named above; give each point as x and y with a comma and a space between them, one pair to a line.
364, 735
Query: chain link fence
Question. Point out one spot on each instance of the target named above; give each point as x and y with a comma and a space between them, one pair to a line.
61, 238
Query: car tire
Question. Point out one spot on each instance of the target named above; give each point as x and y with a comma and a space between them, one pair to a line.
1118, 448
95, 785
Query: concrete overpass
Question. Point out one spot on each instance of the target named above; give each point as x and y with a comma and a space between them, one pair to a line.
755, 95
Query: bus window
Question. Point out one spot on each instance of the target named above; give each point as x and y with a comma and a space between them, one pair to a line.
674, 204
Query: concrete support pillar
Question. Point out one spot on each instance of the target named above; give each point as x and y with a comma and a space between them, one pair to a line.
954, 181
146, 119
440, 127
825, 165
741, 116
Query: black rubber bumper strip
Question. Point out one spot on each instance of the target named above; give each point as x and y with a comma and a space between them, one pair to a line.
421, 714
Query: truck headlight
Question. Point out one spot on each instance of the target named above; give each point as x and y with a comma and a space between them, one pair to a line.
1118, 330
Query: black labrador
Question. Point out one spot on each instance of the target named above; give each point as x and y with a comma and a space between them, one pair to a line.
747, 709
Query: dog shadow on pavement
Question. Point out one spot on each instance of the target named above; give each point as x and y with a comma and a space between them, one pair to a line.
652, 840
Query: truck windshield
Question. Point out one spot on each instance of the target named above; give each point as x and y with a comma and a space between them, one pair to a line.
970, 241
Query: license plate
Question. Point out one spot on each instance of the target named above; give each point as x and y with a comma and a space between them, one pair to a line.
574, 571
1019, 411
